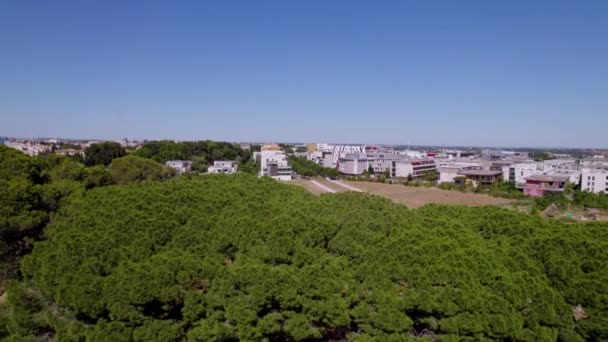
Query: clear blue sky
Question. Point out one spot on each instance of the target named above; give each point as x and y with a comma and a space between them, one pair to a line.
515, 73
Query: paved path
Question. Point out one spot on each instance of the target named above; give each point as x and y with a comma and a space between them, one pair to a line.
323, 187
351, 188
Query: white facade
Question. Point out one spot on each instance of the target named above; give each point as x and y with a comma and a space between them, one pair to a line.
274, 164
353, 164
525, 170
414, 168
224, 166
29, 148
180, 165
329, 155
554, 164
595, 180
449, 170
382, 162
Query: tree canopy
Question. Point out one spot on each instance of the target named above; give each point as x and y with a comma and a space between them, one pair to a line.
305, 167
103, 153
235, 257
202, 153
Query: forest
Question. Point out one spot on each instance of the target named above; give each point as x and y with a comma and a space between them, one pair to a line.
236, 257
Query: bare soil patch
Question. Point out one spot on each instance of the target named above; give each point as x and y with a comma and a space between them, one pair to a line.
414, 197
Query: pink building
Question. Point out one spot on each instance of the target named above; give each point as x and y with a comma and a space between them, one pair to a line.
537, 186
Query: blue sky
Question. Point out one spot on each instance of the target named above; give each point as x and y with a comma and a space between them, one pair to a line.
495, 73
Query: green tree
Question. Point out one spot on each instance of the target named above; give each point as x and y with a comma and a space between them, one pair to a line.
103, 153
132, 169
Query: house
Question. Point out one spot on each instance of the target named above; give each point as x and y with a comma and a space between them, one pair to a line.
180, 166
448, 169
538, 185
595, 180
224, 166
478, 177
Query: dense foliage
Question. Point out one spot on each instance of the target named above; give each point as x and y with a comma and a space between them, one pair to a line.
236, 257
33, 189
305, 167
202, 153
103, 153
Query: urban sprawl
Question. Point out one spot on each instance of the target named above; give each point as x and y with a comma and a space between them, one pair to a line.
468, 167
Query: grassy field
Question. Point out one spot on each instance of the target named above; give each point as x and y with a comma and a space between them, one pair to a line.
412, 197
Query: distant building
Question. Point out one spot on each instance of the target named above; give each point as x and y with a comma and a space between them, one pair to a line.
329, 155
29, 148
68, 152
224, 166
537, 186
595, 180
353, 164
517, 173
414, 168
274, 163
382, 162
478, 177
180, 166
500, 154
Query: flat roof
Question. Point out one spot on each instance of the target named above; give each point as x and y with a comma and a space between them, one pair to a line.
548, 178
479, 173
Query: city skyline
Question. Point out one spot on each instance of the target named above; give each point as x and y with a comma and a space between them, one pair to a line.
457, 74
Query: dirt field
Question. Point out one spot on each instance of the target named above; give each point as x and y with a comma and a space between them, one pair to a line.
316, 185
412, 197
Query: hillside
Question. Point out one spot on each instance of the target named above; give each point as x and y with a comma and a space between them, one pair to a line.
241, 258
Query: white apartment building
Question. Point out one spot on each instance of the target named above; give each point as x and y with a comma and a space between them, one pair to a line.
274, 163
353, 164
329, 155
519, 172
595, 162
415, 168
595, 180
180, 166
29, 148
554, 164
382, 162
224, 166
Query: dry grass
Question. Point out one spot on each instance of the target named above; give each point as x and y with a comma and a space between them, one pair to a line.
414, 197
310, 186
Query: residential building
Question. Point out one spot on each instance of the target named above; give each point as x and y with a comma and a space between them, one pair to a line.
353, 164
414, 168
518, 173
224, 166
180, 166
382, 162
478, 177
538, 185
274, 163
499, 154
595, 180
329, 155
